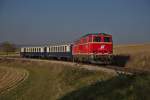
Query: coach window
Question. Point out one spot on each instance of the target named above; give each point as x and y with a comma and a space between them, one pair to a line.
65, 48
57, 49
97, 39
106, 39
51, 49
54, 49
62, 48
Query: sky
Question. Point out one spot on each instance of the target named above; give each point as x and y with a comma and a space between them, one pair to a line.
46, 21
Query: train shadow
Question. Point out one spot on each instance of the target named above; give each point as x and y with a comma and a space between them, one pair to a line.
120, 60
114, 60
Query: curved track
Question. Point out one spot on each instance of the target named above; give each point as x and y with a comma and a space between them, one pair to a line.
11, 77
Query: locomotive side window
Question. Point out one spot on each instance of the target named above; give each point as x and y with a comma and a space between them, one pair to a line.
97, 39
90, 39
107, 39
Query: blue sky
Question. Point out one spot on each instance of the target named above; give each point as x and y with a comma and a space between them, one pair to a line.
44, 21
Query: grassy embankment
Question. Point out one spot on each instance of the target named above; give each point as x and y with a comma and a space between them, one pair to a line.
50, 81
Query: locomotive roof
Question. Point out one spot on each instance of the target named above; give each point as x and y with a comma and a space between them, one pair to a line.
96, 34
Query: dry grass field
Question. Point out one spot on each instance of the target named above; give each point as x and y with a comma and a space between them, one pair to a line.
139, 55
132, 49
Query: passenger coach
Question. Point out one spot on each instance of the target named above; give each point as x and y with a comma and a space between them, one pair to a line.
50, 51
33, 52
59, 51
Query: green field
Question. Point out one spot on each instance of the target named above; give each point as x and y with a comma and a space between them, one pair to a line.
62, 82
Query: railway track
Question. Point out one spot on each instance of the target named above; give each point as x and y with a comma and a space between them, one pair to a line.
106, 68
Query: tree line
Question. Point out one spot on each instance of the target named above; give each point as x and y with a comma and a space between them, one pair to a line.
8, 47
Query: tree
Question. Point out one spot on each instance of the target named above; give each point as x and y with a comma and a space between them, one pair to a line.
7, 47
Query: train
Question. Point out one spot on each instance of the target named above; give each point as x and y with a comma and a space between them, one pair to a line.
91, 48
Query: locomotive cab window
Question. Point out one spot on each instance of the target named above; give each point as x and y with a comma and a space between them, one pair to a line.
97, 39
107, 39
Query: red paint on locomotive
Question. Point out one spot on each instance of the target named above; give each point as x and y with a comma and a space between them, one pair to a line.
93, 44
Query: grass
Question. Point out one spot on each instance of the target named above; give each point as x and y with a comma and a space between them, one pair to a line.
50, 81
9, 53
62, 82
118, 88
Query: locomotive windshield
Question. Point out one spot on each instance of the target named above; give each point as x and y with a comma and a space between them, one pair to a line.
97, 39
107, 39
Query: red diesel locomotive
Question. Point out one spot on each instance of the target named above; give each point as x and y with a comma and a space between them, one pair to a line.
93, 47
